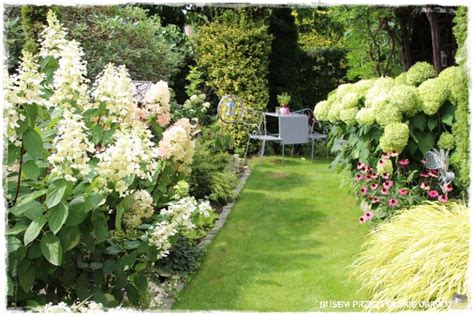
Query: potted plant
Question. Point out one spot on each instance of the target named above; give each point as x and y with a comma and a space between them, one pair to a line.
284, 99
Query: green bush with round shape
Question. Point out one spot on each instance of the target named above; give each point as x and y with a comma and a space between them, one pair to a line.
446, 141
406, 99
433, 93
401, 78
395, 137
348, 116
321, 110
387, 114
420, 72
366, 116
379, 92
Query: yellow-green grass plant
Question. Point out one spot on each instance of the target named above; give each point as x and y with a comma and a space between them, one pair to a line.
420, 255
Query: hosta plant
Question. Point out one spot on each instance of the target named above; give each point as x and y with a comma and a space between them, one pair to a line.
418, 259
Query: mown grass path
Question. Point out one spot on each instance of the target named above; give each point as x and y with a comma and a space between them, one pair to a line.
285, 246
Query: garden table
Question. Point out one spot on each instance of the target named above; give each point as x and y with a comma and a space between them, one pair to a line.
293, 128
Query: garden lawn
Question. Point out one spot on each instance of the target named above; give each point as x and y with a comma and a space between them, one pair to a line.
285, 246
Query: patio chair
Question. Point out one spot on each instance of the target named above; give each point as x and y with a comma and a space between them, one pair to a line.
259, 132
313, 134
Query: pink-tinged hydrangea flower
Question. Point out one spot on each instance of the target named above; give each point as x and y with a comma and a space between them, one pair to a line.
368, 215
403, 191
375, 200
404, 162
443, 198
386, 175
362, 220
392, 202
448, 187
388, 184
359, 177
364, 190
163, 119
424, 186
374, 186
384, 191
424, 175
432, 194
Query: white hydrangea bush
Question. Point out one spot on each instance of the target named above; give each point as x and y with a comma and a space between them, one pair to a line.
92, 170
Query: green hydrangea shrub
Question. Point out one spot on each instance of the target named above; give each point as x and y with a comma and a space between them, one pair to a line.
433, 93
420, 72
395, 137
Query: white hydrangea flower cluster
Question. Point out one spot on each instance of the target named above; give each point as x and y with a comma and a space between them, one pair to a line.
53, 37
70, 88
70, 147
158, 295
177, 143
158, 103
11, 116
78, 307
142, 208
114, 87
179, 214
132, 153
27, 82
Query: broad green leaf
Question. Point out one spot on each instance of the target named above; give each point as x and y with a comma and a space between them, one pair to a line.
51, 249
55, 192
18, 228
34, 251
10, 286
97, 132
31, 114
448, 118
26, 199
13, 154
13, 244
31, 170
26, 275
426, 142
70, 237
133, 294
101, 231
33, 144
57, 216
419, 121
140, 281
34, 229
432, 123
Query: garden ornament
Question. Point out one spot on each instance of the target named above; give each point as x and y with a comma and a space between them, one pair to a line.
439, 160
230, 109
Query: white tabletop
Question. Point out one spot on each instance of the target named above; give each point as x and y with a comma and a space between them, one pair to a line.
285, 115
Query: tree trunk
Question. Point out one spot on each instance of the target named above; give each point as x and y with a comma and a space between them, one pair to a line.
435, 39
405, 18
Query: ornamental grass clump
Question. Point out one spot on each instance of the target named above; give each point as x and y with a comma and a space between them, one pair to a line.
420, 256
419, 72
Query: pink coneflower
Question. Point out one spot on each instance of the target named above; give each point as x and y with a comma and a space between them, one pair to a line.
368, 215
424, 186
443, 198
393, 202
385, 156
432, 194
423, 161
404, 162
360, 165
363, 169
394, 153
381, 162
374, 186
373, 176
388, 184
448, 187
424, 175
359, 177
370, 169
362, 220
403, 191
364, 190
386, 175
375, 200
384, 191
433, 173
368, 177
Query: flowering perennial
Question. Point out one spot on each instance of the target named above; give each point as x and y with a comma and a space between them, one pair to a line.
142, 208
53, 37
71, 147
